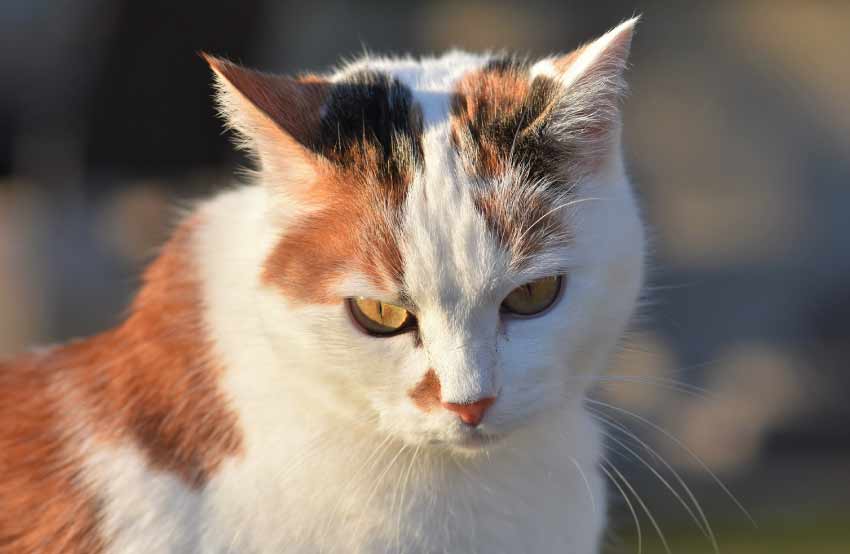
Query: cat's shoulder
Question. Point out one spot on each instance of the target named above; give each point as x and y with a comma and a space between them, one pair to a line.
43, 505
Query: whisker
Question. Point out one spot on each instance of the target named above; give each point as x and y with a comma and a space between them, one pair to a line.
684, 447
586, 483
628, 503
346, 489
671, 287
405, 481
377, 485
622, 428
669, 384
643, 505
519, 129
553, 210
703, 526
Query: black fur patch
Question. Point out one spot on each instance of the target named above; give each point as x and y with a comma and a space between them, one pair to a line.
535, 147
499, 118
504, 64
372, 117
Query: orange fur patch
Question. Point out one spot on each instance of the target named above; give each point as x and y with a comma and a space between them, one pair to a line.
293, 104
484, 107
353, 230
359, 143
498, 121
354, 227
152, 381
426, 393
168, 385
44, 508
497, 113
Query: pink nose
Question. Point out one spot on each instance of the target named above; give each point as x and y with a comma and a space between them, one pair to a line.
471, 414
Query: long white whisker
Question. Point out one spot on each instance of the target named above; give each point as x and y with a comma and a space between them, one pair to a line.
365, 466
670, 384
684, 447
703, 525
586, 483
377, 485
643, 505
553, 210
613, 422
405, 481
628, 503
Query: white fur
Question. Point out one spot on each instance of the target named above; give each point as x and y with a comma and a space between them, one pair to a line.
337, 458
596, 50
142, 511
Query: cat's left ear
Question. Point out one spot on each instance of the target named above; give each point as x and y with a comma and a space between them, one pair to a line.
585, 117
277, 118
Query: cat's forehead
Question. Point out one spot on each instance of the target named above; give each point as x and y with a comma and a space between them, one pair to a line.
438, 179
493, 105
478, 203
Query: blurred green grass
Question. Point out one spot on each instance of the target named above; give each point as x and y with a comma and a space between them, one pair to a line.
791, 534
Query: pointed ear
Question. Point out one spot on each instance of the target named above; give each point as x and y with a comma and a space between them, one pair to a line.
585, 115
276, 118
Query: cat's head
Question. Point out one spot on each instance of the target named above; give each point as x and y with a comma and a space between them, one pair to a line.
458, 246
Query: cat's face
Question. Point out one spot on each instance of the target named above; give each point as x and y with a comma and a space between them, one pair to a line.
464, 248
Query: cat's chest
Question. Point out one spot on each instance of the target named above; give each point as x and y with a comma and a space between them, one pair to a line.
400, 499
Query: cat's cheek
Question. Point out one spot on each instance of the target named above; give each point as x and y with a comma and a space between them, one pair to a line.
407, 423
397, 370
534, 355
415, 420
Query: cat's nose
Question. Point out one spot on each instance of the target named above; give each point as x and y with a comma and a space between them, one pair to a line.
472, 413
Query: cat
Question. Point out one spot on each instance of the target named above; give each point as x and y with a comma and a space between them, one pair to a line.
381, 344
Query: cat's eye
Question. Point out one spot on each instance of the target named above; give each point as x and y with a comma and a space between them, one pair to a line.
380, 318
533, 298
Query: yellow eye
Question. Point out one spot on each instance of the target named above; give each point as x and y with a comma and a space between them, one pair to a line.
380, 318
532, 298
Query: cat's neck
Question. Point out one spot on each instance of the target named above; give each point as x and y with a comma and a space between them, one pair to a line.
154, 380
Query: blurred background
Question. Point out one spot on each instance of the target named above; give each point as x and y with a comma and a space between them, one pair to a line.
738, 138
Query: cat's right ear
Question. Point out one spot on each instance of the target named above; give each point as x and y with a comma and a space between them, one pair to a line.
585, 117
276, 118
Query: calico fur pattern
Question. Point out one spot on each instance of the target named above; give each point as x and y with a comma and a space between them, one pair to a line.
238, 409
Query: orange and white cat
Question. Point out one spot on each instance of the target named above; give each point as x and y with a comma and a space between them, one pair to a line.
376, 347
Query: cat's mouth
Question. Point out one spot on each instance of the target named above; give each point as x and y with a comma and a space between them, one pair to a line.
469, 440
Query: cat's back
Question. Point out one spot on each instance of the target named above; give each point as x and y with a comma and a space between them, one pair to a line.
44, 506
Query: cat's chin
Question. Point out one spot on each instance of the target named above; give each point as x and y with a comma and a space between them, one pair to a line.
467, 443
